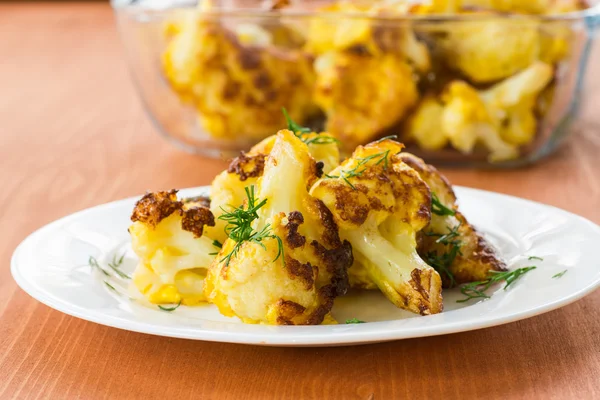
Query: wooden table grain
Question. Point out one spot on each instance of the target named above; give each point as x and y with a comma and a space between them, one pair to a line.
73, 135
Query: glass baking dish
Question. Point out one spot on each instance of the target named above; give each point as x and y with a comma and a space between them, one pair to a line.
471, 87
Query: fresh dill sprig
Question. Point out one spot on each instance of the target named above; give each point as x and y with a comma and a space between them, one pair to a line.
169, 309
385, 138
535, 258
438, 208
354, 321
111, 287
442, 262
301, 132
319, 139
239, 226
115, 264
447, 238
477, 290
361, 167
94, 264
218, 245
293, 126
560, 274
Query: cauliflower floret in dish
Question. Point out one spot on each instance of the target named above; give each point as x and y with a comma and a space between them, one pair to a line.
493, 49
425, 124
326, 34
363, 95
380, 204
238, 83
500, 118
283, 262
366, 71
167, 235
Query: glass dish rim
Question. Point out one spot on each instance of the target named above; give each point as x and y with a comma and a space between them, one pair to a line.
141, 6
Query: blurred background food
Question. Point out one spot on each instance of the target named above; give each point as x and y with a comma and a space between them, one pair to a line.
463, 82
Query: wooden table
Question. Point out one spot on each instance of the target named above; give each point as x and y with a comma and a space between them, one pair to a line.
74, 135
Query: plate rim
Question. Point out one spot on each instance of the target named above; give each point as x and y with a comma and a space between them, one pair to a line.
348, 335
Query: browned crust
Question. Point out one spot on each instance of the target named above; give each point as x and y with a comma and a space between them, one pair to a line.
408, 189
248, 57
327, 295
330, 235
319, 169
421, 282
246, 166
353, 204
431, 175
478, 253
262, 81
194, 219
153, 207
293, 238
298, 270
336, 262
334, 258
415, 282
347, 203
343, 259
288, 310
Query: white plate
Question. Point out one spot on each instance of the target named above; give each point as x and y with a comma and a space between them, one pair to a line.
52, 266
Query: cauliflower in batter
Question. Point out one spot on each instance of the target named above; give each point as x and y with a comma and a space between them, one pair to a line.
228, 188
380, 204
500, 118
283, 262
492, 49
237, 82
450, 243
167, 235
363, 95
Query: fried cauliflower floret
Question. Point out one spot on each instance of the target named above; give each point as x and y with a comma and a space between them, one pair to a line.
167, 235
500, 118
366, 71
324, 35
379, 204
373, 38
512, 102
293, 274
466, 121
460, 118
238, 83
228, 188
473, 257
424, 125
493, 49
363, 95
